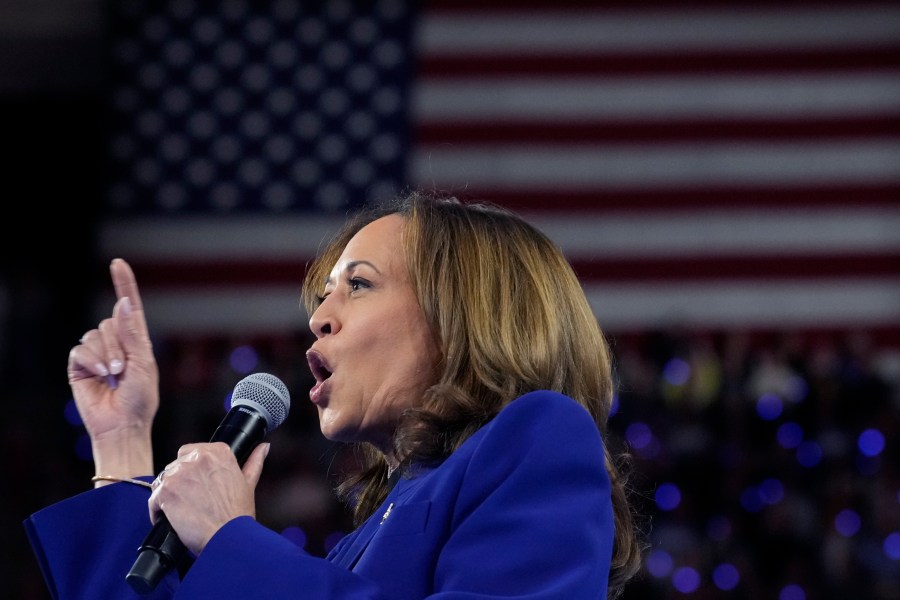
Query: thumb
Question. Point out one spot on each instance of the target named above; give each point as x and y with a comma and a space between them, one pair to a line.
252, 469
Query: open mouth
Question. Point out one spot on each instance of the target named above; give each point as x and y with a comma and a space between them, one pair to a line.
318, 366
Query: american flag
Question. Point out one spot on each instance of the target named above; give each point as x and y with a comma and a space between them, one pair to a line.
703, 164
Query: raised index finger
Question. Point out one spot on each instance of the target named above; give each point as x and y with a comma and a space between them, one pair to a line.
125, 283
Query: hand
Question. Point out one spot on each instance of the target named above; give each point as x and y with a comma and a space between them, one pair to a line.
204, 488
115, 381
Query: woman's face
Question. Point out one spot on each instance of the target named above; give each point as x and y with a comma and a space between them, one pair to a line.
374, 354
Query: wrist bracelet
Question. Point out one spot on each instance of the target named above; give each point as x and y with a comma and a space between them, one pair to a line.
96, 478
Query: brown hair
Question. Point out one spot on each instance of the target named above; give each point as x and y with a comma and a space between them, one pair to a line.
510, 317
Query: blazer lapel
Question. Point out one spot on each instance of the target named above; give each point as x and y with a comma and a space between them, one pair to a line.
347, 555
348, 552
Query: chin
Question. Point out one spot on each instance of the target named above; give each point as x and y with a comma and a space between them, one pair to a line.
330, 431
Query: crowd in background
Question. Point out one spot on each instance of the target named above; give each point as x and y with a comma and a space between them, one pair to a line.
768, 463
763, 465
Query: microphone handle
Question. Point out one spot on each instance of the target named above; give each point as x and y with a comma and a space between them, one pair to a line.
242, 429
161, 551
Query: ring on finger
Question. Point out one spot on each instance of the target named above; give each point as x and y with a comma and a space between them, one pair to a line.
160, 477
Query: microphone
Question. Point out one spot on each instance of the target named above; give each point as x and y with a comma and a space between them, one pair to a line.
260, 403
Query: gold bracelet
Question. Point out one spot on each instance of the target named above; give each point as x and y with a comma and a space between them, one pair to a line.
96, 478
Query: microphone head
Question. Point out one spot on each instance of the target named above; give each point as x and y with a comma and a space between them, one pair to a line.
265, 393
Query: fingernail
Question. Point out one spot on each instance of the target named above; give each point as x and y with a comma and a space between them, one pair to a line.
126, 305
115, 366
266, 449
101, 369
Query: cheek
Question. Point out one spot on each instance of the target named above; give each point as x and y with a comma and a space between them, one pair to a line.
419, 356
397, 370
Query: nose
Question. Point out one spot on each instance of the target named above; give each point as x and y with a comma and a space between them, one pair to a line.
323, 322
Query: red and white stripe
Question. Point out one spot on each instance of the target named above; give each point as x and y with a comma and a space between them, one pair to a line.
704, 165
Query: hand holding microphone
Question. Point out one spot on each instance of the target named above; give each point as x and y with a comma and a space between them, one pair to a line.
205, 487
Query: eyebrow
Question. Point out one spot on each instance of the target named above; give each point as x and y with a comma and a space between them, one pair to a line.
352, 265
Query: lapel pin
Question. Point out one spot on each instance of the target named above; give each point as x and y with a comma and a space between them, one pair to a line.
386, 513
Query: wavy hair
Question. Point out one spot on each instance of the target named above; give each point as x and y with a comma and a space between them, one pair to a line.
510, 317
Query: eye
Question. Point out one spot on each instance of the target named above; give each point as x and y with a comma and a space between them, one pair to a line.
357, 284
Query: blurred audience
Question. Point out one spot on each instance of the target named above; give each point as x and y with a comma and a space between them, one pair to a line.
768, 464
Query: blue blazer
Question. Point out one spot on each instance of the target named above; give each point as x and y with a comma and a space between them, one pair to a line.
521, 510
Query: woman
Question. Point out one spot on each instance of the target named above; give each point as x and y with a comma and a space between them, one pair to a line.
455, 345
